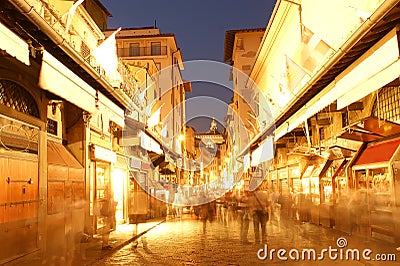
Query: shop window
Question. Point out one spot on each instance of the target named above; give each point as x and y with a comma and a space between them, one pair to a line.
387, 104
14, 96
379, 181
361, 177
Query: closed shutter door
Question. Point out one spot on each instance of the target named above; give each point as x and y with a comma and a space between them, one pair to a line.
19, 203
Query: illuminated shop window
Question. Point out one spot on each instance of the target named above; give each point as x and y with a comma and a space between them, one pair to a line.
387, 104
14, 96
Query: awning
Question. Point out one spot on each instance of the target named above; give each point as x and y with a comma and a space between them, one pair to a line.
156, 159
378, 152
167, 171
316, 166
379, 66
370, 129
14, 45
56, 78
263, 153
61, 81
113, 112
148, 143
341, 170
62, 165
59, 155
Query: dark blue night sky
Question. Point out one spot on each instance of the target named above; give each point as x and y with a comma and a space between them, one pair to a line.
199, 27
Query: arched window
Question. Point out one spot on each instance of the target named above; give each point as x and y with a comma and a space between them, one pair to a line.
14, 96
387, 104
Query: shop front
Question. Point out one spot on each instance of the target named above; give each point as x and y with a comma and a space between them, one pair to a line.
340, 195
120, 188
294, 189
273, 175
334, 187
283, 189
65, 196
19, 188
310, 191
100, 184
374, 175
138, 199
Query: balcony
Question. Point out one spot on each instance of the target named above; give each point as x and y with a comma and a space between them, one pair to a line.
136, 51
126, 85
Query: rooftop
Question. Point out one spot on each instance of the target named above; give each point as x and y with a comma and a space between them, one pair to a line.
230, 41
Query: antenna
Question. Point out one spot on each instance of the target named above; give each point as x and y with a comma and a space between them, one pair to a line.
155, 23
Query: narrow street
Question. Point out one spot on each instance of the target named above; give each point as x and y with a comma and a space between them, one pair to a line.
199, 132
182, 242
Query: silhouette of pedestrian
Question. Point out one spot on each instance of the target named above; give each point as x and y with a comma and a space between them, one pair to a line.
244, 217
260, 203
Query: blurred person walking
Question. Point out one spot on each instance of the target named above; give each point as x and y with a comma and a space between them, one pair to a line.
276, 205
260, 203
107, 212
243, 212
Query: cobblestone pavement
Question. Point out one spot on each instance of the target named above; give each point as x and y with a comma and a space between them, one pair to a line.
182, 242
91, 252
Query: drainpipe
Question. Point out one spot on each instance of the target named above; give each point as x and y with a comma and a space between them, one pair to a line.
42, 25
380, 12
173, 95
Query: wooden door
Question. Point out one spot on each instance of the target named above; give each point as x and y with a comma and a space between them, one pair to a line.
19, 203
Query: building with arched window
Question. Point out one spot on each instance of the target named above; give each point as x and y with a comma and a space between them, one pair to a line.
61, 120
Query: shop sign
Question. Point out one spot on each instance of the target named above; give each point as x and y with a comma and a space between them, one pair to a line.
283, 173
273, 174
100, 153
145, 166
142, 180
136, 163
294, 172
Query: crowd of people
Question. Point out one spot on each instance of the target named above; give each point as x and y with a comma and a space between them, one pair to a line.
243, 208
257, 206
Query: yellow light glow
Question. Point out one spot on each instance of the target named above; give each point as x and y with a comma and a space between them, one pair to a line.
118, 177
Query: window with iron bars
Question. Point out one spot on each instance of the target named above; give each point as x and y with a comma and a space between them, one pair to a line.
387, 104
16, 97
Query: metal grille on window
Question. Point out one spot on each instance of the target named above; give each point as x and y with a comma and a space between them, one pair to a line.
52, 126
14, 96
387, 104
